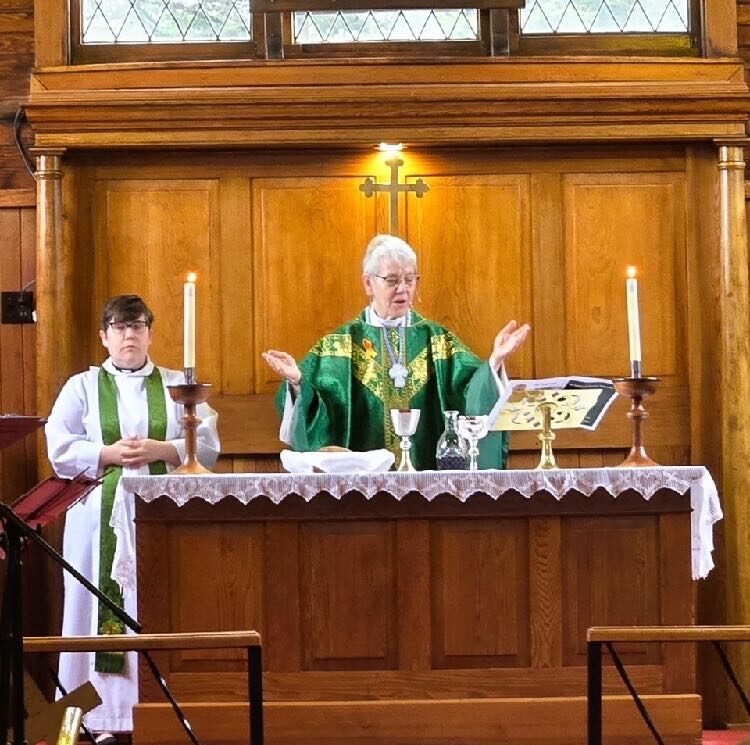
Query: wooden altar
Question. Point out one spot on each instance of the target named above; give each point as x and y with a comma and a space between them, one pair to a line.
417, 620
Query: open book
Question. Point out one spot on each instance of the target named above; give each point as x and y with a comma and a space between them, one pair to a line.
574, 401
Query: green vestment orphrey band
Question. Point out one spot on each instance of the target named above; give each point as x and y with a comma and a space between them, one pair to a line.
346, 392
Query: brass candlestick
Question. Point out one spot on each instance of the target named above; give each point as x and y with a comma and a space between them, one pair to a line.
546, 436
189, 395
636, 389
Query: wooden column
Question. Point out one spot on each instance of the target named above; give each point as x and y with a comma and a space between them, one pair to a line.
719, 24
735, 308
54, 285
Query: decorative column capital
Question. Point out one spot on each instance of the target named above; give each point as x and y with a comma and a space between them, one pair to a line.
48, 162
732, 152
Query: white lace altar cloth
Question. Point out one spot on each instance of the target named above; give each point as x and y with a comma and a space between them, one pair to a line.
704, 499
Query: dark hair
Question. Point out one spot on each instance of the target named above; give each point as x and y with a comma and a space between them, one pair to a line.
125, 308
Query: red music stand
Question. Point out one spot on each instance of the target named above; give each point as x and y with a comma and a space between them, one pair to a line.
13, 427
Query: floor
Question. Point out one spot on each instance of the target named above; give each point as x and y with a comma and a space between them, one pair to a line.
710, 737
726, 737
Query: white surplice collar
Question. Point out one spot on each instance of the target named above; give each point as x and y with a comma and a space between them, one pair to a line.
143, 372
373, 319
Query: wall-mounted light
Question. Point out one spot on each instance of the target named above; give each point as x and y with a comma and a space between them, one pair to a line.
390, 148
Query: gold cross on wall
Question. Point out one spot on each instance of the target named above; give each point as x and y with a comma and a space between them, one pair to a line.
369, 187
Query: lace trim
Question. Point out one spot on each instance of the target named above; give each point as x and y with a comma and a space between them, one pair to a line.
704, 499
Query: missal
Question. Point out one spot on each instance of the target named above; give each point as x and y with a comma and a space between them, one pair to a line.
572, 401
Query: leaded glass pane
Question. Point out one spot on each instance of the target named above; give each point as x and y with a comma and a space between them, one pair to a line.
345, 27
163, 21
604, 16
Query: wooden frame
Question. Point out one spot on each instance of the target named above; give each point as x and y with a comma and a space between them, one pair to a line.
499, 36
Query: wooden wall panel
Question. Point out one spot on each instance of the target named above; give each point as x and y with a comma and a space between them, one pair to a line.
16, 53
613, 221
17, 349
743, 29
481, 611
597, 558
16, 183
149, 235
235, 292
348, 613
309, 237
210, 562
474, 241
18, 463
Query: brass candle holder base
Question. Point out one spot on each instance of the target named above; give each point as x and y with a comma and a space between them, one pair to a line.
547, 460
636, 389
190, 395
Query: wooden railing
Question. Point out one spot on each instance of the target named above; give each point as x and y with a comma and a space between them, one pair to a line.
145, 643
605, 636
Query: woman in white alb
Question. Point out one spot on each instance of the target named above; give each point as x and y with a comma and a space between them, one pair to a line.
107, 421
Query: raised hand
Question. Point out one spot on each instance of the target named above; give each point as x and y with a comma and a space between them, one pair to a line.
283, 364
510, 338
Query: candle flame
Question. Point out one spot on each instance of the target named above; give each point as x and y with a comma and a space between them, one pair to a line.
631, 272
191, 277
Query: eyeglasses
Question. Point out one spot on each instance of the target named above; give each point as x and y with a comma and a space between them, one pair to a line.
409, 280
119, 327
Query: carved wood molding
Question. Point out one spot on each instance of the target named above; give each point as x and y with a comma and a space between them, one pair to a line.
201, 105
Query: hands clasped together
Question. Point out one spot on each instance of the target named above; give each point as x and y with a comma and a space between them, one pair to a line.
134, 452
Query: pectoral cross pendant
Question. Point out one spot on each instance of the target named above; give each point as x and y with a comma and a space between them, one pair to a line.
398, 373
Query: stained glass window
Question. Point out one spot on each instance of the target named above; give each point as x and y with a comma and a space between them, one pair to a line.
164, 21
180, 21
385, 25
604, 16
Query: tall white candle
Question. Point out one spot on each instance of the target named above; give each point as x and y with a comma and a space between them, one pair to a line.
188, 295
634, 323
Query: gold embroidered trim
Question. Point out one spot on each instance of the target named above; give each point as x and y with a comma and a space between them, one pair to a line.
368, 371
333, 345
445, 346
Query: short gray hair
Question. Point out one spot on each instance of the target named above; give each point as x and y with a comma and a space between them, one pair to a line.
383, 247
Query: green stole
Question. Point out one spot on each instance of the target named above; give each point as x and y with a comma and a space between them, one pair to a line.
108, 623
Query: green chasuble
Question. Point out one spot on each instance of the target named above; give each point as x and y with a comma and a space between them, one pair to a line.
346, 393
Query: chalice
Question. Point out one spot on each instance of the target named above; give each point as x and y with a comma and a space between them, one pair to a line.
473, 428
405, 425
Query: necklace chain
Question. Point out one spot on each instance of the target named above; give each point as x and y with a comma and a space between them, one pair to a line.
398, 370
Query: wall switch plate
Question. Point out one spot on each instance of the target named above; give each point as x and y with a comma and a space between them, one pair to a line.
17, 307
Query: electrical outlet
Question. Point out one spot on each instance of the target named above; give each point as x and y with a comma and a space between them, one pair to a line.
17, 307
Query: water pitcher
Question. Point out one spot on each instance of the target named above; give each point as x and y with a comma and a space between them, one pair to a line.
452, 451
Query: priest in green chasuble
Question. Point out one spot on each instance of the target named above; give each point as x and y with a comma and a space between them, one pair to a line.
390, 357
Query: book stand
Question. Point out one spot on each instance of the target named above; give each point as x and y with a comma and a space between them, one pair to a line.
553, 404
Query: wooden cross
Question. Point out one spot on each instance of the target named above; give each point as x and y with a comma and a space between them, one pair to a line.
369, 187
